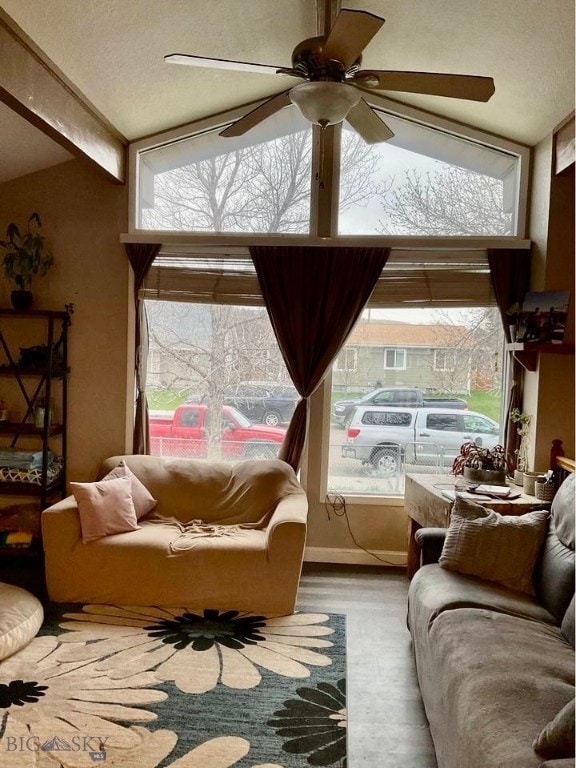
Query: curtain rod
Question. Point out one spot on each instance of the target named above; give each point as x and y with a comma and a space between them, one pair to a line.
362, 241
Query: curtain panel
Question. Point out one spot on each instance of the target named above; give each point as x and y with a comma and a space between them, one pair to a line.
314, 296
141, 257
510, 275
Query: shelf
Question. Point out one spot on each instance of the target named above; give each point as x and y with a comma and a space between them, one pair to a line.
20, 428
527, 352
15, 488
19, 370
42, 313
33, 374
32, 552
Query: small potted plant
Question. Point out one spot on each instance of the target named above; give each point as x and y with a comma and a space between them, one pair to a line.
482, 465
26, 256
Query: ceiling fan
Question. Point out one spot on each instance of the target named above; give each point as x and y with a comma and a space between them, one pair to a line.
332, 91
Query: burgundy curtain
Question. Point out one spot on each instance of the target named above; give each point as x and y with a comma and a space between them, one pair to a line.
313, 295
141, 257
510, 275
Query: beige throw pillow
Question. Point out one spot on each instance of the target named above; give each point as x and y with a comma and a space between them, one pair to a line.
143, 500
105, 508
494, 547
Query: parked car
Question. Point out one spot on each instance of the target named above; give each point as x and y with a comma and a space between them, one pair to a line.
343, 410
186, 433
267, 402
382, 437
270, 403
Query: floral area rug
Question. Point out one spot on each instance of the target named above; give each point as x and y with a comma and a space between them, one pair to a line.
134, 687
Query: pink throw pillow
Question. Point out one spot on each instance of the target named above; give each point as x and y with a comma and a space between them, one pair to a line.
143, 500
105, 507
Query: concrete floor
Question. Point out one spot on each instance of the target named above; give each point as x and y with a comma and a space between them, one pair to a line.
387, 726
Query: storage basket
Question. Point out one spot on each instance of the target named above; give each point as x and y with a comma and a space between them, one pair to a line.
544, 491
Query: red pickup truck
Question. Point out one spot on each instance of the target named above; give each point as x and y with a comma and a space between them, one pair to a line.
185, 433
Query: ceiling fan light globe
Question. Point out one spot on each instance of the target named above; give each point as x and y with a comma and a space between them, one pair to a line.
324, 102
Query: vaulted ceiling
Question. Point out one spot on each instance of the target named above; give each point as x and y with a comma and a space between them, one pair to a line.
112, 52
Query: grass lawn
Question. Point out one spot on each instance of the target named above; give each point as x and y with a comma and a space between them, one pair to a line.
164, 399
487, 403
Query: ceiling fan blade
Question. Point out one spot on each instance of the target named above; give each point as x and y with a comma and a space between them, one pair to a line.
435, 84
351, 33
257, 115
366, 122
203, 61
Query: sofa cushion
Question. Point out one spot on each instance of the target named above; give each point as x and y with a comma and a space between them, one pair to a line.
434, 590
501, 548
567, 628
554, 575
554, 572
21, 616
105, 507
557, 737
563, 511
143, 500
229, 494
485, 701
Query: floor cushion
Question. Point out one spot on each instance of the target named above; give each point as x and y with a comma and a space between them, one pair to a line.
21, 616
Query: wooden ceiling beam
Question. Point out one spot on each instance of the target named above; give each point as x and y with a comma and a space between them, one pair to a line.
32, 86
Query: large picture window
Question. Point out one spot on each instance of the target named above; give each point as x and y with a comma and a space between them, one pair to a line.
384, 424
439, 195
217, 386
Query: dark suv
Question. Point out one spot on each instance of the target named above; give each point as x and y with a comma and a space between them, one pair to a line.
270, 403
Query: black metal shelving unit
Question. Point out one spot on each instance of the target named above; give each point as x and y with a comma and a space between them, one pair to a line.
42, 373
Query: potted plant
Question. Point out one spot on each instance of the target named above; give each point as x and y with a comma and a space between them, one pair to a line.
482, 465
26, 256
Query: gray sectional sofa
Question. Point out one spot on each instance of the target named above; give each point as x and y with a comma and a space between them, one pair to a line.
495, 666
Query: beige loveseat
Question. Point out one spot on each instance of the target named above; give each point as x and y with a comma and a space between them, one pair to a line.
245, 554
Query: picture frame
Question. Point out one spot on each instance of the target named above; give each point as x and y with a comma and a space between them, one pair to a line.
542, 319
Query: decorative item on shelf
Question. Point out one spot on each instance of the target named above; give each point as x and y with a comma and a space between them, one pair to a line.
543, 317
555, 452
42, 413
513, 313
482, 465
25, 258
522, 420
529, 480
544, 487
38, 355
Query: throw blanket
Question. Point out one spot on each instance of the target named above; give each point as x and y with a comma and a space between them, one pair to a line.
196, 529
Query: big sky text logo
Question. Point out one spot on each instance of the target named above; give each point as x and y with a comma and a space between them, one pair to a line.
94, 745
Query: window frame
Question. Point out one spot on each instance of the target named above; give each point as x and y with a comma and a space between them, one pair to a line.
325, 176
397, 351
323, 229
347, 368
445, 352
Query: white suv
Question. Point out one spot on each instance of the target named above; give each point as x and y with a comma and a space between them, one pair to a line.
386, 437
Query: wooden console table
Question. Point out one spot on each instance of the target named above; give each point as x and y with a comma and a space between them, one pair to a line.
426, 507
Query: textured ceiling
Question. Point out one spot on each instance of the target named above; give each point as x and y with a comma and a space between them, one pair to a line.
112, 51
